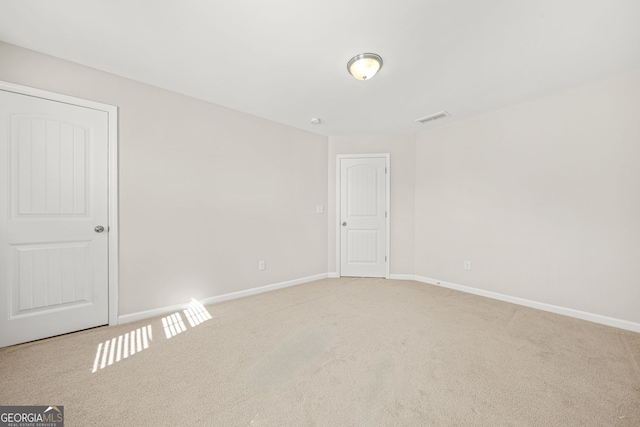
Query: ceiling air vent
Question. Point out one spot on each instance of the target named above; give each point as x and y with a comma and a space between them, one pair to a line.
434, 116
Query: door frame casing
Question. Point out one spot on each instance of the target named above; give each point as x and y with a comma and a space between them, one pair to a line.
112, 180
339, 158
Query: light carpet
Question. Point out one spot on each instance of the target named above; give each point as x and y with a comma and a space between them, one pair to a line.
342, 352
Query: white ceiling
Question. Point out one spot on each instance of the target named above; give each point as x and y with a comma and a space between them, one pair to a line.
285, 60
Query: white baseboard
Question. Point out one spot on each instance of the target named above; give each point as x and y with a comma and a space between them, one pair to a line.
141, 315
596, 318
402, 277
155, 312
262, 289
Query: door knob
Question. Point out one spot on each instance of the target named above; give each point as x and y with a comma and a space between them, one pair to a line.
344, 223
99, 229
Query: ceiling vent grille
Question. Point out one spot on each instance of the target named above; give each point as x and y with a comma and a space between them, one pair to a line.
434, 116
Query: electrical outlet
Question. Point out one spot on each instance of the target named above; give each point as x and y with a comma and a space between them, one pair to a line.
319, 209
262, 265
467, 265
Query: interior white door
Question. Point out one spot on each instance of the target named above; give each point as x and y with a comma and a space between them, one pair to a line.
53, 195
363, 203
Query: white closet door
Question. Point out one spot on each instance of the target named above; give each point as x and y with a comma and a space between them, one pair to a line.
363, 217
53, 201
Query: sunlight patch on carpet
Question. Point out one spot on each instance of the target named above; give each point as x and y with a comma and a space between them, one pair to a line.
173, 325
196, 313
117, 349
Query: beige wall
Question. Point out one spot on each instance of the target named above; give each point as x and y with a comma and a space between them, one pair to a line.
205, 192
543, 198
401, 149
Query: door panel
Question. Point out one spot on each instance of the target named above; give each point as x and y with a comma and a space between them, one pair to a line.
362, 246
363, 217
48, 275
49, 167
54, 275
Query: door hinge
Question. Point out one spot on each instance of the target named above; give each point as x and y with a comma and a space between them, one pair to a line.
385, 258
385, 214
385, 170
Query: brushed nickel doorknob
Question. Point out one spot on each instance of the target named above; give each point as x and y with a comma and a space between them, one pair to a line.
99, 229
344, 223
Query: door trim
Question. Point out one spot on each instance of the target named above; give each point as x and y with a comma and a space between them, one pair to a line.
112, 182
387, 157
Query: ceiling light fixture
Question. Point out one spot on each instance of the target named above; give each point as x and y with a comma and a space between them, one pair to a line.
364, 66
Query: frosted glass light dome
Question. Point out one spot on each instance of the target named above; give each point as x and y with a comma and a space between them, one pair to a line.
364, 66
